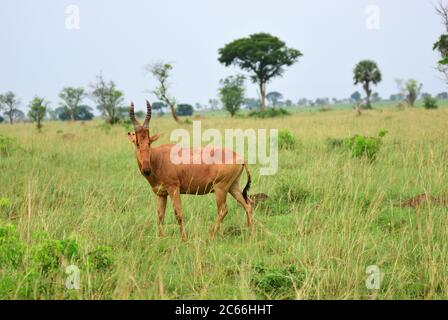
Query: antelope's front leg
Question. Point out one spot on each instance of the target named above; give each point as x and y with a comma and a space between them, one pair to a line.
175, 197
161, 208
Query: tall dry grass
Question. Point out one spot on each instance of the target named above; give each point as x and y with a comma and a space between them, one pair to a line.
330, 215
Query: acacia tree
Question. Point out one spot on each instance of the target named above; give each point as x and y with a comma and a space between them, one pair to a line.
366, 72
9, 103
232, 93
83, 113
184, 109
161, 71
72, 99
263, 55
410, 89
442, 43
109, 100
274, 98
37, 111
158, 106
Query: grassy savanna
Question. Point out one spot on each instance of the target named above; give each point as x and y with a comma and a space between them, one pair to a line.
329, 216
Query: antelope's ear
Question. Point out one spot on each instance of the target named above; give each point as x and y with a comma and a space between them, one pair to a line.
154, 137
131, 137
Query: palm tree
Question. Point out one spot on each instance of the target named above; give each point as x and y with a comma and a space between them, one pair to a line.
367, 72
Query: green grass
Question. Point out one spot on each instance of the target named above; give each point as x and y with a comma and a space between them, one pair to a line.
329, 217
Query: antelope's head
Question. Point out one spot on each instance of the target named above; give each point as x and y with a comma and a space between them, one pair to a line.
142, 140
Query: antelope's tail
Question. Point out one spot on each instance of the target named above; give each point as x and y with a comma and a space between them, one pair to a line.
247, 187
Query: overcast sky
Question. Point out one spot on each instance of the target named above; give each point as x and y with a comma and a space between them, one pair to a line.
39, 55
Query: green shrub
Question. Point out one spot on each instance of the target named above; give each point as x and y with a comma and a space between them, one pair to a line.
37, 269
101, 258
286, 139
7, 146
269, 113
363, 146
70, 249
430, 102
382, 133
8, 285
11, 248
47, 255
4, 203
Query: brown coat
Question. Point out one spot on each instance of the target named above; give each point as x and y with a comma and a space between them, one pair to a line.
168, 178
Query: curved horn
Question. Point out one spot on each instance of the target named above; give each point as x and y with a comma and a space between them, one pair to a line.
135, 123
148, 115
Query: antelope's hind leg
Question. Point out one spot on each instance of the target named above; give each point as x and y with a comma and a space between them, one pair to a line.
237, 193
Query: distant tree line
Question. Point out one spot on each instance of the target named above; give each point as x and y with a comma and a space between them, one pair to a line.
262, 55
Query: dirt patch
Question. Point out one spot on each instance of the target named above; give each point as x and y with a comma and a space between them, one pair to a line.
422, 199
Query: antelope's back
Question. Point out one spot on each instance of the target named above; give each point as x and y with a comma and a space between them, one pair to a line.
198, 169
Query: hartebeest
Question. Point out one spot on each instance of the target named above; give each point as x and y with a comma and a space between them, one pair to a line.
168, 178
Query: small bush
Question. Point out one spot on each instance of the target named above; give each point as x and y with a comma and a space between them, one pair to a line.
269, 113
363, 146
47, 255
70, 248
11, 248
4, 203
286, 139
101, 258
430, 103
382, 133
7, 146
37, 269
